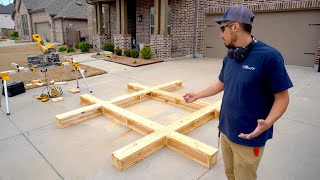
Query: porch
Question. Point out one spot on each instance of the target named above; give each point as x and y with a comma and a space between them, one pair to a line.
132, 23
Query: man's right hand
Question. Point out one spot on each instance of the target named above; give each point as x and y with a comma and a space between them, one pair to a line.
190, 97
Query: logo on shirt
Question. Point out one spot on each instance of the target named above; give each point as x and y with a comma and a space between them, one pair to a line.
248, 67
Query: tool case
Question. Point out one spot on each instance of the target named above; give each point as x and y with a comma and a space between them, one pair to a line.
15, 88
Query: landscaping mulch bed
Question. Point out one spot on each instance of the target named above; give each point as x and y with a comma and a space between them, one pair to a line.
129, 61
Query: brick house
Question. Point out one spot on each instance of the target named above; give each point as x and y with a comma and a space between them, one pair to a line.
176, 28
50, 18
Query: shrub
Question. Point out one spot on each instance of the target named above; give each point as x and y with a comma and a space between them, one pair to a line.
70, 50
127, 53
77, 46
62, 49
118, 51
135, 62
98, 54
134, 53
108, 46
84, 46
146, 53
14, 34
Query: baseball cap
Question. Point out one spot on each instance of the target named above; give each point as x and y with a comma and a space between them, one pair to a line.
238, 14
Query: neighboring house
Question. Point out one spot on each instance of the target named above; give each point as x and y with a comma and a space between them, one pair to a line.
50, 18
6, 21
176, 28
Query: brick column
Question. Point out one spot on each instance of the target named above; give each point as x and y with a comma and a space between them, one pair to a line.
124, 17
122, 41
161, 46
317, 61
156, 16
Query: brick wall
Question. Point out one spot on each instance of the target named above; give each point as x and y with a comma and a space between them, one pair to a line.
17, 20
220, 6
161, 46
57, 29
143, 28
122, 41
182, 20
40, 17
182, 27
318, 54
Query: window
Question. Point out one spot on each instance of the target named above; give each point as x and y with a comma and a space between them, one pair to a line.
152, 19
24, 24
103, 19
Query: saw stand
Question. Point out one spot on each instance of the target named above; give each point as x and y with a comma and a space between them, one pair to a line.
5, 76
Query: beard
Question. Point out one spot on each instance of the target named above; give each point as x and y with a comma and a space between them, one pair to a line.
231, 44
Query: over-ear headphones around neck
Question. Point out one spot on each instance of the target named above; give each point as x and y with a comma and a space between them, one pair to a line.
239, 53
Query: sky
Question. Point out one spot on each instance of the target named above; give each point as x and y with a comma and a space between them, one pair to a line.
5, 2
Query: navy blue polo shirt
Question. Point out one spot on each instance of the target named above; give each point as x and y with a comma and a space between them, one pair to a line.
249, 88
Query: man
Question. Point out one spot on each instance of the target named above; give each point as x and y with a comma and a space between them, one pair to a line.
255, 84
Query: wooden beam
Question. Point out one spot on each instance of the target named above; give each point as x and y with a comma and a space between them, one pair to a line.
136, 151
78, 115
193, 149
134, 121
157, 136
170, 98
83, 114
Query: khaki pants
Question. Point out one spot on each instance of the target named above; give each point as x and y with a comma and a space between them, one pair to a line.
240, 161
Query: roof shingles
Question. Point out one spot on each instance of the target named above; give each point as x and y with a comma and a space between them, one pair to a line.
59, 8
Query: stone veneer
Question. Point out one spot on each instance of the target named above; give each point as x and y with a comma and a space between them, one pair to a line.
122, 41
161, 46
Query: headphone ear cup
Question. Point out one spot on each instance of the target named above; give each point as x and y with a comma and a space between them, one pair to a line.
240, 54
231, 53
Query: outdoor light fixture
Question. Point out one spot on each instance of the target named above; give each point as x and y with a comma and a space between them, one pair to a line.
140, 18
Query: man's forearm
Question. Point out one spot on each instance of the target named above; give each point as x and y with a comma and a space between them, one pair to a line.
278, 108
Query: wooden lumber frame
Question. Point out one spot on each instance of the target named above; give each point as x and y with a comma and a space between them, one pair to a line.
156, 135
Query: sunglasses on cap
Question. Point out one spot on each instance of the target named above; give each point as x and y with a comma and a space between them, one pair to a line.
222, 28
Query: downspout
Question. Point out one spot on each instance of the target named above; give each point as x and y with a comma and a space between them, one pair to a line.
195, 28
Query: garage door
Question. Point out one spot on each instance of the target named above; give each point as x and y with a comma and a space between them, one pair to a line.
43, 30
294, 34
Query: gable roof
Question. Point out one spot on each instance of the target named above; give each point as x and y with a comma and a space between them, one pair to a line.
8, 9
75, 9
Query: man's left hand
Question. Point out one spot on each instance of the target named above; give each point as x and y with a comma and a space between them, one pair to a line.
262, 126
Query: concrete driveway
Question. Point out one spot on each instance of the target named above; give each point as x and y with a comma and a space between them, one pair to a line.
33, 147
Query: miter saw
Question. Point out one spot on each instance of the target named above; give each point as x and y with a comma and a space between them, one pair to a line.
49, 56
